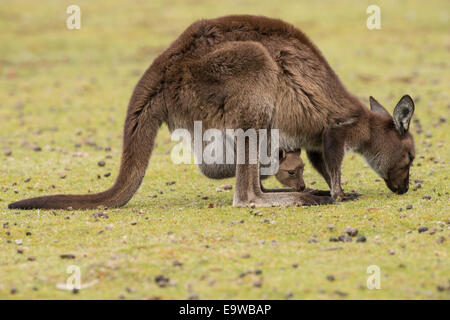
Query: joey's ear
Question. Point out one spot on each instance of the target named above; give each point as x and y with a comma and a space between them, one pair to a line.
281, 154
403, 113
375, 106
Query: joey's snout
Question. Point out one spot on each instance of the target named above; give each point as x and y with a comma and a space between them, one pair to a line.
301, 185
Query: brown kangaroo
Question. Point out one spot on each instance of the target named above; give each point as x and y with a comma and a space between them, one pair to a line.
254, 72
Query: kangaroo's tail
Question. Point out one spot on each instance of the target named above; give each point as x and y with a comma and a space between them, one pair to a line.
144, 117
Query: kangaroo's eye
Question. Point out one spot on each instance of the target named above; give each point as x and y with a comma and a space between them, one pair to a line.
291, 172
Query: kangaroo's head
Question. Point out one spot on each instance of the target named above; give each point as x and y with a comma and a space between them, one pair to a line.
290, 170
391, 151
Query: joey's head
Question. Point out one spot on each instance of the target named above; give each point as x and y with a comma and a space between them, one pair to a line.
290, 170
390, 151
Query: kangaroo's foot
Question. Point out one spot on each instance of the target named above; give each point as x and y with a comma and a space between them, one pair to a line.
342, 196
283, 199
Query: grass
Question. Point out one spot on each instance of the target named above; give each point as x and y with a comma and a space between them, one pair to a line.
66, 92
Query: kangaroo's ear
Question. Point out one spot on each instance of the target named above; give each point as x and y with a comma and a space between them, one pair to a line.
375, 106
403, 113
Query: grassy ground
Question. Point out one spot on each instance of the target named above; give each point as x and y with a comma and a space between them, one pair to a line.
65, 92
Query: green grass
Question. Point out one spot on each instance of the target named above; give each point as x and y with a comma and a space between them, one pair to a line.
60, 88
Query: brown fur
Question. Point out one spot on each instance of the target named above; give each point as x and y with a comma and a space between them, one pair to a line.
251, 72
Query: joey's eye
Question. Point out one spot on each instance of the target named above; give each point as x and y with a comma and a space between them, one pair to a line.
291, 172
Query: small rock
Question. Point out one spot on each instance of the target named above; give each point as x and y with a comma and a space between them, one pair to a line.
37, 148
334, 239
227, 187
361, 239
100, 215
162, 281
312, 240
344, 238
330, 277
422, 229
13, 291
101, 163
352, 232
177, 263
67, 256
19, 242
409, 207
391, 252
170, 183
257, 284
441, 239
193, 296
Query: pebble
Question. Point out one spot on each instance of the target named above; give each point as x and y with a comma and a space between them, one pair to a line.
409, 207
361, 239
426, 197
352, 232
312, 240
334, 239
67, 256
344, 238
422, 229
101, 163
162, 281
193, 296
330, 277
177, 263
391, 252
100, 215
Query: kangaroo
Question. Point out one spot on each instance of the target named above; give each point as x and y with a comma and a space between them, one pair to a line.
252, 72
